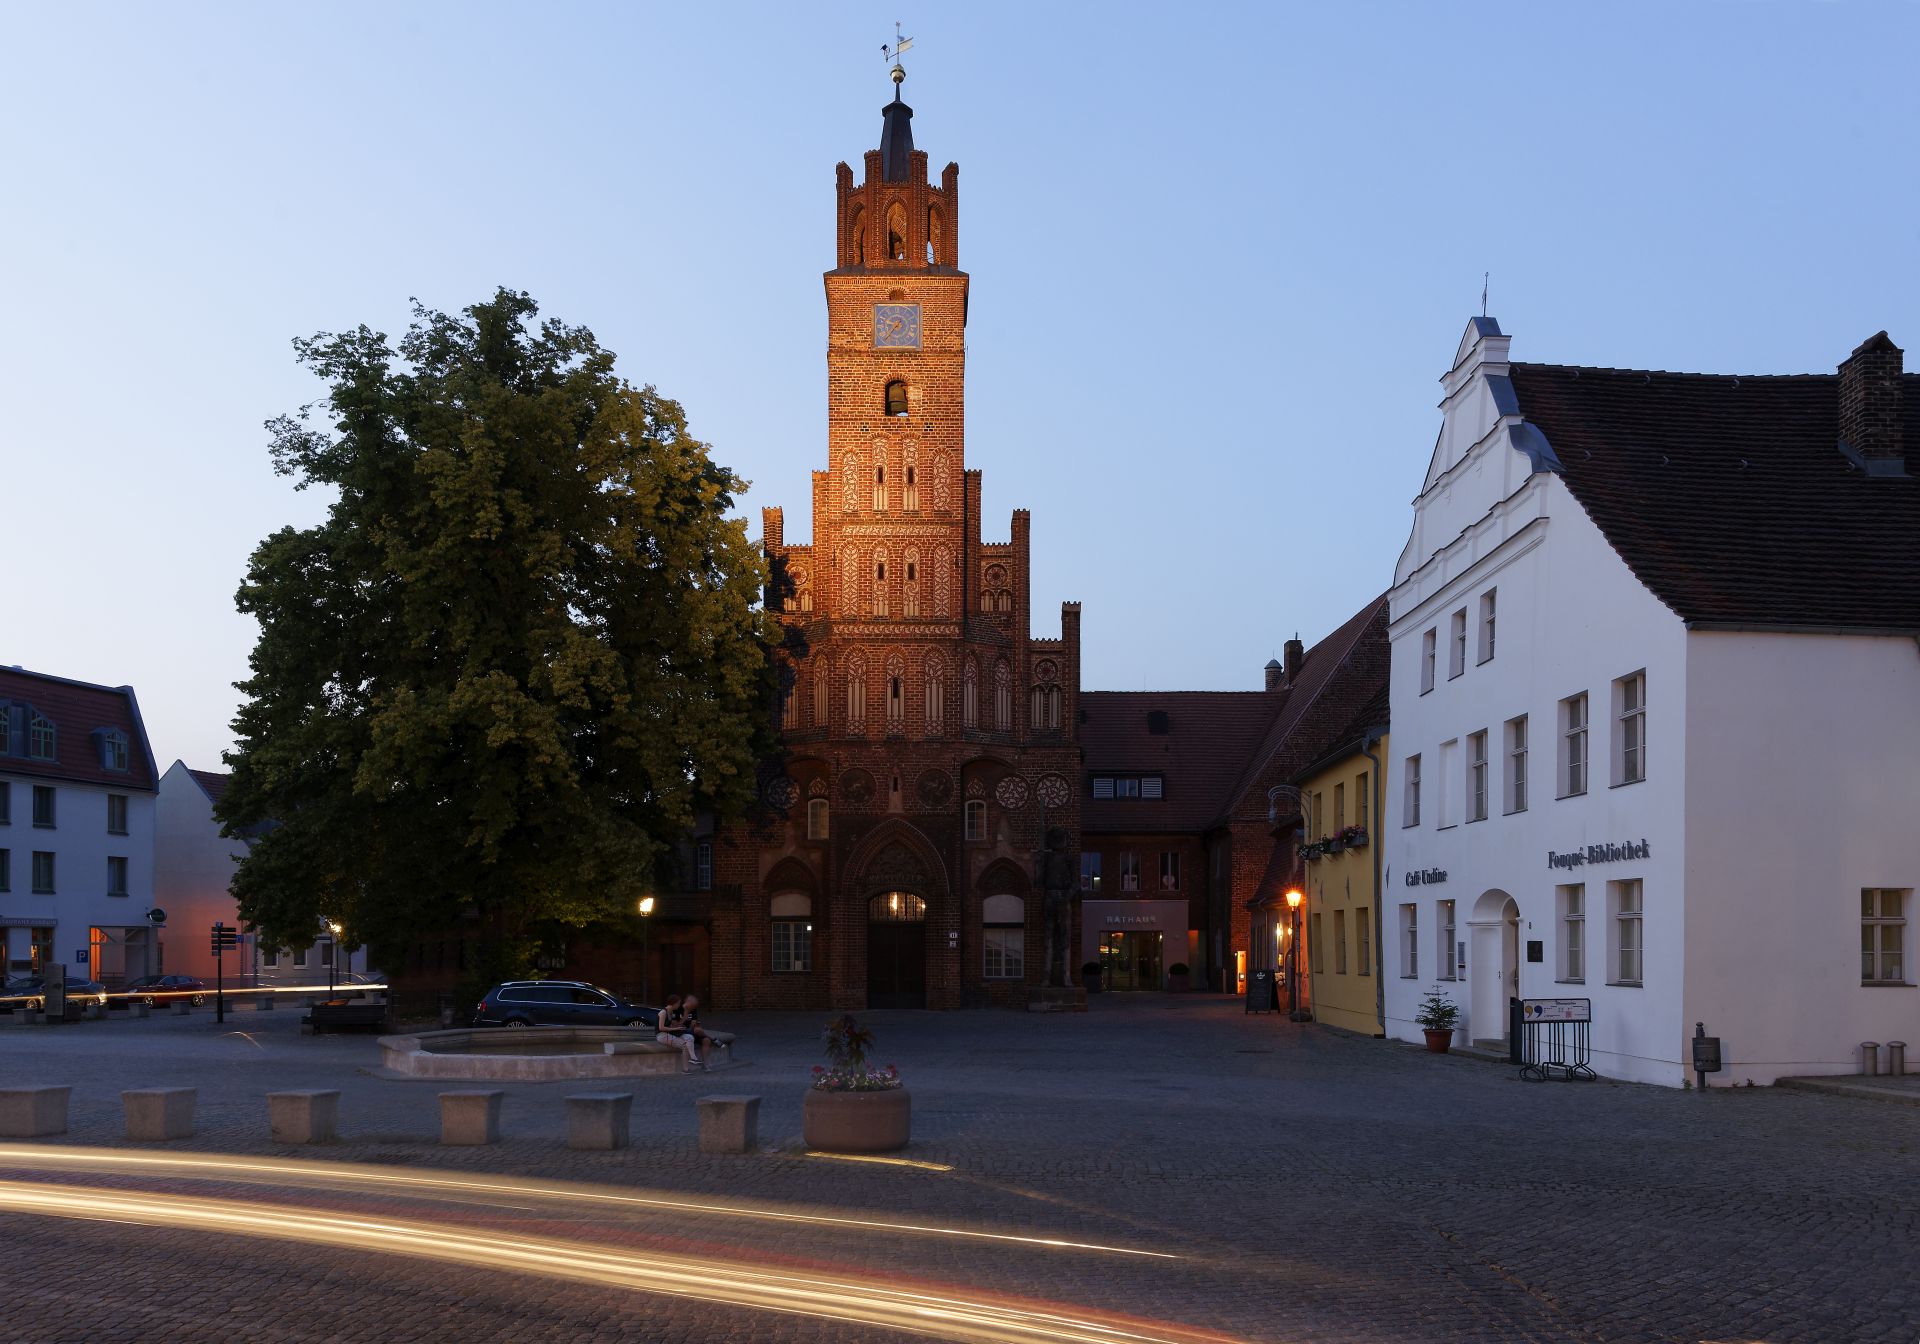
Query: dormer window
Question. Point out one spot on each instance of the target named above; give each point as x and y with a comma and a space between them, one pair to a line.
41, 741
113, 749
896, 398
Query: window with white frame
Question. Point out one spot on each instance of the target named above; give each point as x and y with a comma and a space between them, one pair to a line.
1630, 737
116, 814
1883, 936
1457, 645
1572, 903
113, 749
1339, 942
1624, 903
1170, 870
42, 872
976, 819
703, 865
790, 916
116, 876
43, 799
1443, 945
1363, 933
1412, 817
1409, 941
1486, 625
1129, 870
40, 736
1316, 946
300, 958
1573, 745
816, 819
1446, 788
1004, 937
1427, 644
270, 959
1477, 776
1517, 764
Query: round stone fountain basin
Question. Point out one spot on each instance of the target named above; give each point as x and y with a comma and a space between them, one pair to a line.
529, 1054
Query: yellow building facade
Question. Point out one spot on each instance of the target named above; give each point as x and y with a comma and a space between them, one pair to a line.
1340, 926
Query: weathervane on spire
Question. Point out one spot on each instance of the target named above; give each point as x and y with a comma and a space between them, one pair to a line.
892, 53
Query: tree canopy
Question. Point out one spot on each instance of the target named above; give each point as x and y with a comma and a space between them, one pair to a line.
523, 651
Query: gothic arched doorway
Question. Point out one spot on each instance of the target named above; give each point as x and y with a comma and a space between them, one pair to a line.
896, 951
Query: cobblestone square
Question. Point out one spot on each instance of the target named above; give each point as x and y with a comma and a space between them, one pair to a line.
1312, 1185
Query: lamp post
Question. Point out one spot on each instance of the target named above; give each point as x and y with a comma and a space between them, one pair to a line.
1293, 957
333, 962
646, 944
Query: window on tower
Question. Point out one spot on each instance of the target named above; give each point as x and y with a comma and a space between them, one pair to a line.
896, 398
897, 231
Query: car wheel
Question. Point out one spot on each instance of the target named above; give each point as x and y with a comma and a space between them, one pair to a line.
517, 1022
199, 999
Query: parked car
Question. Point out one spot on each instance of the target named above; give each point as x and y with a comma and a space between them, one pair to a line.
558, 1003
152, 989
30, 992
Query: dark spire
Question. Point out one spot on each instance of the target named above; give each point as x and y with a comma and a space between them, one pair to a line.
896, 138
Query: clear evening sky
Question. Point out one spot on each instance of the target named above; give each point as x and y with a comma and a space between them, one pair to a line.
1219, 256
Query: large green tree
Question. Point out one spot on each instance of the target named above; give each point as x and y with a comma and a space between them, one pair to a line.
524, 649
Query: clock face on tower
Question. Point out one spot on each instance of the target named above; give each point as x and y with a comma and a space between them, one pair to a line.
897, 324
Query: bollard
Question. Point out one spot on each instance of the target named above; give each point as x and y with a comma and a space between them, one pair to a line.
141, 1010
181, 1007
34, 1017
1869, 1058
470, 1118
265, 1003
33, 1112
97, 1012
310, 1116
1896, 1058
599, 1120
159, 1113
729, 1124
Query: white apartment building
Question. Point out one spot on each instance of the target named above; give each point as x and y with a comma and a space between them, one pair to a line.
77, 787
1656, 704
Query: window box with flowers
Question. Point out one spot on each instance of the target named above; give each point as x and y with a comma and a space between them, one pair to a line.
850, 1107
1353, 837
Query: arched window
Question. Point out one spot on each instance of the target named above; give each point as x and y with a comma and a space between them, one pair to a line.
897, 231
816, 819
857, 695
1037, 708
1004, 937
1002, 696
910, 492
970, 697
910, 587
850, 583
976, 819
857, 231
936, 675
791, 913
1005, 601
880, 606
936, 239
806, 599
879, 489
820, 707
896, 694
896, 397
41, 738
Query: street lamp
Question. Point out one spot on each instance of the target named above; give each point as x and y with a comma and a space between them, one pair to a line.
333, 962
1293, 958
646, 943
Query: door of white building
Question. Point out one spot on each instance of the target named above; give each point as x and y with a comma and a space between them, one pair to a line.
1493, 967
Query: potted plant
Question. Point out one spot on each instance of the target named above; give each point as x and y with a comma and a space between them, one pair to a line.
1090, 976
850, 1107
1336, 843
1438, 1016
1355, 837
1177, 981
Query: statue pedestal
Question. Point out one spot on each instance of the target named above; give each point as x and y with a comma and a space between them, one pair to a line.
1042, 999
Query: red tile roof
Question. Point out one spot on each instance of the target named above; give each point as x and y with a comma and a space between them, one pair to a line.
213, 784
77, 708
1729, 497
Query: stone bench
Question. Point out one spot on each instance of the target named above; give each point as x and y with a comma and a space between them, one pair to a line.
729, 1124
305, 1116
470, 1118
33, 1112
599, 1120
156, 1114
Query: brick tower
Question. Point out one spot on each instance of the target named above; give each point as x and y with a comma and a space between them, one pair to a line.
930, 739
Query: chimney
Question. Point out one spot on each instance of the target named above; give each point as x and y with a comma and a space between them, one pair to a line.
1870, 409
1276, 677
1296, 654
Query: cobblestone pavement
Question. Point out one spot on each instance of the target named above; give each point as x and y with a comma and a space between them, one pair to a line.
1313, 1185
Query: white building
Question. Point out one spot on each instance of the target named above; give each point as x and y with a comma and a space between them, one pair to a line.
76, 831
193, 883
1656, 708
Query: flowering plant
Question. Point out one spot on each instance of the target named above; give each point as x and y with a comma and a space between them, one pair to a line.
1353, 836
847, 1044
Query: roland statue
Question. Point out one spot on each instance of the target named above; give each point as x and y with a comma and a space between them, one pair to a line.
1057, 871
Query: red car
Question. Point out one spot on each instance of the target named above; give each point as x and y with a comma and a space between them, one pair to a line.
152, 989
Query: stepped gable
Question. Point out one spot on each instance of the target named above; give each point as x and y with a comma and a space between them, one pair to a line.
1731, 499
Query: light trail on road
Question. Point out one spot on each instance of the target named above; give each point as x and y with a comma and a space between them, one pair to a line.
942, 1313
388, 1181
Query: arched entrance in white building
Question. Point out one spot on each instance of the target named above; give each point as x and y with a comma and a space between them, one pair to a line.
1493, 965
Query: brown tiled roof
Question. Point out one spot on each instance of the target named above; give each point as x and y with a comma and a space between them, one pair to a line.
1209, 734
1729, 497
77, 708
212, 783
